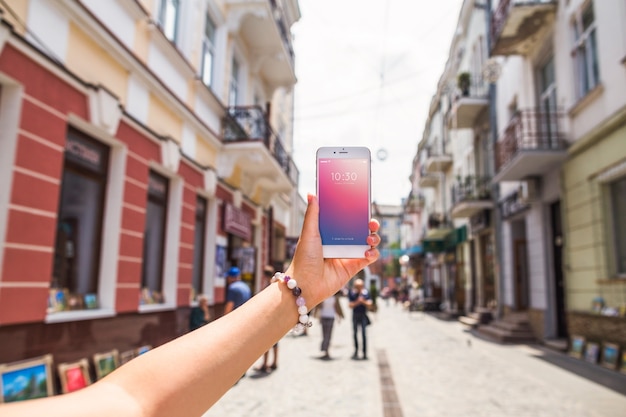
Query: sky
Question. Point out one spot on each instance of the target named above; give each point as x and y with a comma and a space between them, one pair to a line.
367, 70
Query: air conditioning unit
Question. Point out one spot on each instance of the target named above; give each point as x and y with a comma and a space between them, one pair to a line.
528, 190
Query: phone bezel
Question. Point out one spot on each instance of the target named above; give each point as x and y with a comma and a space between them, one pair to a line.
345, 152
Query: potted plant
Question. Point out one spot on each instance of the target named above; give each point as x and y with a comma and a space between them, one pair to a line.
463, 82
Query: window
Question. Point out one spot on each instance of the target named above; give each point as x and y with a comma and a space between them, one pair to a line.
618, 208
548, 127
79, 223
168, 18
198, 246
154, 240
208, 51
234, 84
585, 53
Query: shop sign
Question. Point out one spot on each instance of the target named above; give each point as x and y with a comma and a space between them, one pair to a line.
513, 205
85, 152
479, 221
237, 222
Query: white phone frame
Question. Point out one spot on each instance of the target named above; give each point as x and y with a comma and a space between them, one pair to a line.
346, 152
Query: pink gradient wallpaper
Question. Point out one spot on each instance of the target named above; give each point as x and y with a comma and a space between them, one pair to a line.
344, 200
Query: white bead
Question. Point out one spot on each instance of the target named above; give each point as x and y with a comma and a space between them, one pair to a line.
302, 310
291, 284
304, 319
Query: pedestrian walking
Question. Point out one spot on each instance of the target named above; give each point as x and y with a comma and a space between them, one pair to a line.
238, 292
327, 311
268, 272
359, 302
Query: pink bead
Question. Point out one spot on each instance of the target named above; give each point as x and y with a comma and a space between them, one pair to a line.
300, 301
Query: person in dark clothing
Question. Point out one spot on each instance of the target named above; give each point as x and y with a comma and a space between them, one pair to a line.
200, 315
359, 302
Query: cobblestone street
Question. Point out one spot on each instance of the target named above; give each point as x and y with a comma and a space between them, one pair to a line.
432, 367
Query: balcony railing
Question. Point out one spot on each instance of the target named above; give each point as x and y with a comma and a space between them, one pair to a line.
531, 130
437, 160
285, 34
250, 124
469, 101
499, 17
415, 203
428, 180
470, 195
471, 188
474, 86
438, 221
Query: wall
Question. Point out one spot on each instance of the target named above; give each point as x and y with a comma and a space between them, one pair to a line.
586, 217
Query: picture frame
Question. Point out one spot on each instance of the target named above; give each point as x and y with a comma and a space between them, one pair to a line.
26, 380
74, 375
127, 356
58, 300
592, 352
577, 346
91, 301
105, 363
610, 355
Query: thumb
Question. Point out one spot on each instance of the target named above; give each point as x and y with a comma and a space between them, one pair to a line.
310, 228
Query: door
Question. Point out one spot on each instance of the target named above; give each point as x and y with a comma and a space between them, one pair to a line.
557, 265
521, 275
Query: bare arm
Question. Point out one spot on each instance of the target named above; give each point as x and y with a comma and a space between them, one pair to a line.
189, 374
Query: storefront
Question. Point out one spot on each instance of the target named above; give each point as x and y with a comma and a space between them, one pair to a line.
595, 251
109, 230
483, 289
240, 251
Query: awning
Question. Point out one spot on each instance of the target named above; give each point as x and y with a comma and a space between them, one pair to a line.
456, 237
415, 250
435, 240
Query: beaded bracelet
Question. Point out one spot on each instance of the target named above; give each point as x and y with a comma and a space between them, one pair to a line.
303, 320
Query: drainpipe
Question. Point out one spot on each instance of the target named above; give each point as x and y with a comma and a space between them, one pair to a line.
495, 189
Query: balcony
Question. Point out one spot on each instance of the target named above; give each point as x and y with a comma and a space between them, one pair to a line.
470, 101
439, 228
470, 195
252, 146
437, 161
415, 203
438, 221
532, 144
265, 29
428, 180
518, 26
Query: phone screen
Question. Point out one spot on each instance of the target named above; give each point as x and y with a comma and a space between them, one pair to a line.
343, 194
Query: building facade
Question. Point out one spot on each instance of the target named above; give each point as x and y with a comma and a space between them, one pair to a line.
145, 147
561, 232
451, 173
545, 239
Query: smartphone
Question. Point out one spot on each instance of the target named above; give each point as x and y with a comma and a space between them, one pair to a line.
344, 196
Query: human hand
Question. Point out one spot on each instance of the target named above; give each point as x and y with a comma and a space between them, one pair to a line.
320, 278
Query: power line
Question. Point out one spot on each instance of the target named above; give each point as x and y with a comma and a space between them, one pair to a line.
355, 109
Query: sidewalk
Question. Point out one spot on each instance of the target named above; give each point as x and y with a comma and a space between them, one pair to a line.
419, 366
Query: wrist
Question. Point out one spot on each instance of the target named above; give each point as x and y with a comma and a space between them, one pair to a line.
302, 308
